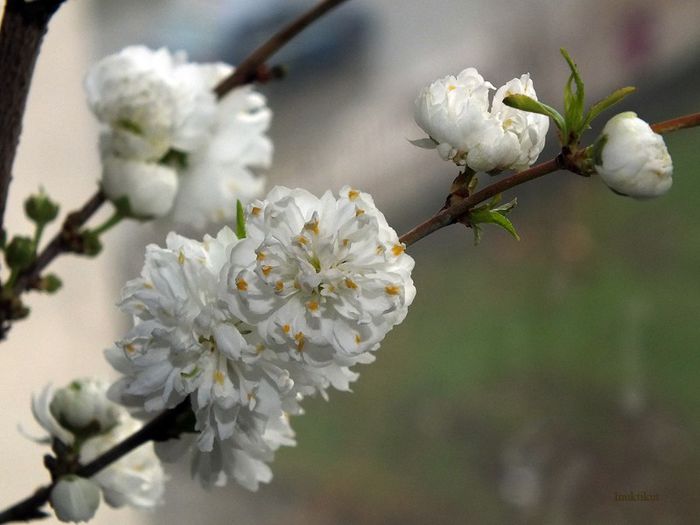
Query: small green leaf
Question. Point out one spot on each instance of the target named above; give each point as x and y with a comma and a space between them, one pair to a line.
493, 217
525, 103
573, 101
610, 100
240, 221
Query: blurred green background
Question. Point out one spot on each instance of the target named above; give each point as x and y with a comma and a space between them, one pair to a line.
532, 381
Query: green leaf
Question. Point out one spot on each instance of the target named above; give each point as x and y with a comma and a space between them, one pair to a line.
610, 100
573, 101
484, 215
525, 103
240, 221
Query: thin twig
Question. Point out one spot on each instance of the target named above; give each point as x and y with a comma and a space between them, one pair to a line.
61, 242
246, 71
684, 122
455, 213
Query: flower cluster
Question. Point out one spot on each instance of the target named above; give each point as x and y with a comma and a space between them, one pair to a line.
245, 328
633, 159
87, 424
455, 113
168, 146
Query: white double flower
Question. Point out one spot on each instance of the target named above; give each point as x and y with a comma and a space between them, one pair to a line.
454, 111
168, 146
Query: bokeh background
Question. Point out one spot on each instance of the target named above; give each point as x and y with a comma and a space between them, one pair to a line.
532, 380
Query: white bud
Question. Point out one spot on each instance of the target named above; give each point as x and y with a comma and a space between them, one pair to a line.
634, 160
83, 403
150, 188
75, 499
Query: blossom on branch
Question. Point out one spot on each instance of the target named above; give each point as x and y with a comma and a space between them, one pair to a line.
455, 113
246, 328
88, 424
161, 122
632, 159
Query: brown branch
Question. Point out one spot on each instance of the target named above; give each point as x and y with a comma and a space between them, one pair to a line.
159, 428
246, 71
684, 122
458, 211
21, 34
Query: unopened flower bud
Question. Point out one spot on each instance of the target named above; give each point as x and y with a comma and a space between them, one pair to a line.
20, 252
50, 283
40, 208
149, 188
82, 407
75, 499
633, 160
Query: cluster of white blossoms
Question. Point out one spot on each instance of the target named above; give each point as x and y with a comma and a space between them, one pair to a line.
634, 160
455, 113
167, 145
82, 418
245, 328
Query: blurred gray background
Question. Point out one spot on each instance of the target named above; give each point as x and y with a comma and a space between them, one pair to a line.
531, 381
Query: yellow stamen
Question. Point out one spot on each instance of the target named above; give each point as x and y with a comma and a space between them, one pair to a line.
255, 210
359, 211
219, 377
181, 258
279, 286
301, 341
312, 305
148, 285
358, 339
260, 256
241, 284
451, 87
303, 240
311, 226
397, 249
350, 284
286, 328
266, 270
353, 194
392, 289
130, 348
346, 242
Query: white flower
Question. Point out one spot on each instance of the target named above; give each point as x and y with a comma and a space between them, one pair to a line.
454, 111
75, 499
163, 129
148, 104
137, 479
529, 128
634, 160
82, 417
188, 342
223, 170
323, 279
149, 187
83, 404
